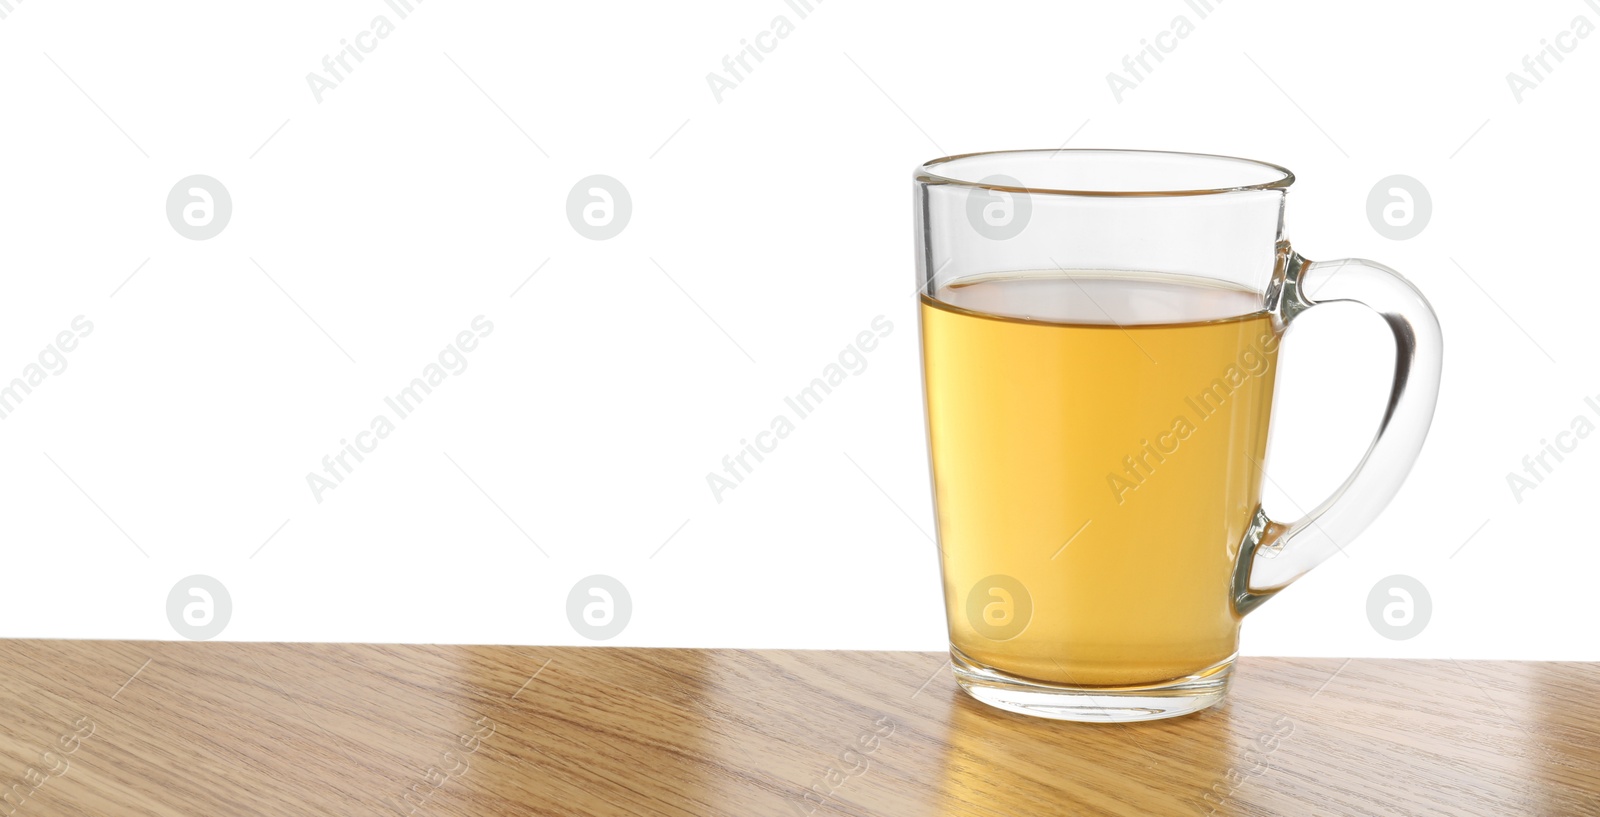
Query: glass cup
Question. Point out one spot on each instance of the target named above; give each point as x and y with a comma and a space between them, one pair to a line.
1100, 333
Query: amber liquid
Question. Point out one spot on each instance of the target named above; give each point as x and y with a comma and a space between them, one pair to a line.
1096, 441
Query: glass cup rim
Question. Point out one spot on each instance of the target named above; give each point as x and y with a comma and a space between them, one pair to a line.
1281, 180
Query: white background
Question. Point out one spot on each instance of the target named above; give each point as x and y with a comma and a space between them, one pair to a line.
430, 184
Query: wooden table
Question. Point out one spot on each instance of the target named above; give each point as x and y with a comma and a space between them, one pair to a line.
110, 728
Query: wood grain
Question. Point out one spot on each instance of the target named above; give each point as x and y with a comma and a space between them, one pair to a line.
164, 728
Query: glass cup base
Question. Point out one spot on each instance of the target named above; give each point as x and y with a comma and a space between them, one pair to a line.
1104, 704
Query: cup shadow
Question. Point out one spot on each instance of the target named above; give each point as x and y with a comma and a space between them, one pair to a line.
997, 762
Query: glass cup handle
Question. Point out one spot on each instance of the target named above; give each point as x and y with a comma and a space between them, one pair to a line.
1273, 554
